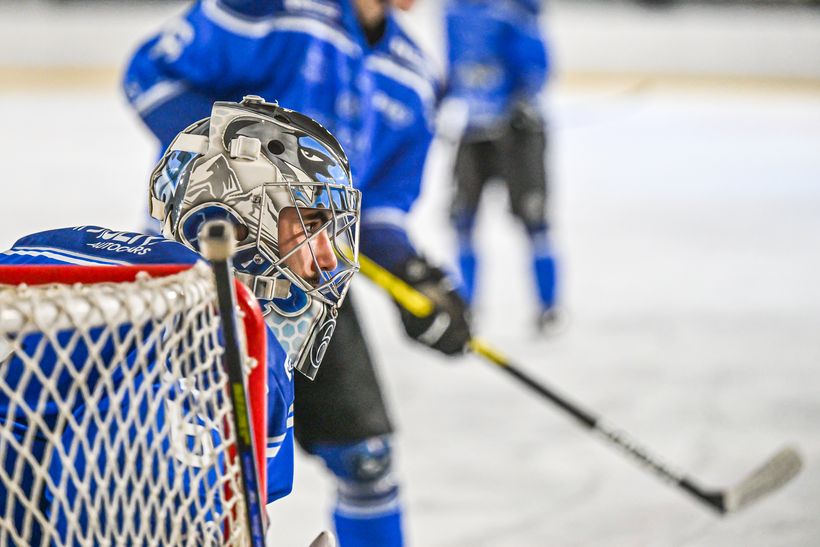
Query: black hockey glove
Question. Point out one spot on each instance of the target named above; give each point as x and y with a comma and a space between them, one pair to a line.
447, 328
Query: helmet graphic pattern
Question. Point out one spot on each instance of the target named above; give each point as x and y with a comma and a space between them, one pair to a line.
245, 164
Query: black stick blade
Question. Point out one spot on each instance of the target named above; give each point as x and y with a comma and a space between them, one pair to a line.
772, 475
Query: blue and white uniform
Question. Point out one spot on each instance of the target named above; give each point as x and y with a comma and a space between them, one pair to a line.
96, 246
379, 100
498, 66
311, 56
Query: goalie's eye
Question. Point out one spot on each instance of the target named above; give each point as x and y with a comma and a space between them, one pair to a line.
315, 220
313, 226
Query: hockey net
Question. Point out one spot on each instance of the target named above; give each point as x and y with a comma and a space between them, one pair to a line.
114, 418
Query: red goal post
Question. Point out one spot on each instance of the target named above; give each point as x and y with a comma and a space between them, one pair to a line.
54, 299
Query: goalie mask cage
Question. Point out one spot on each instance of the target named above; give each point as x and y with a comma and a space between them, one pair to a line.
114, 419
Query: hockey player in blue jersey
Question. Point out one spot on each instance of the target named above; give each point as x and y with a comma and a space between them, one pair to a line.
498, 65
284, 182
348, 64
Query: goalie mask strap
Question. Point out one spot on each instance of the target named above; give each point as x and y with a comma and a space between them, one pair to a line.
264, 287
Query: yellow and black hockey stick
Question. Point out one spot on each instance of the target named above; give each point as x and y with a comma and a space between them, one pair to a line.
218, 246
774, 473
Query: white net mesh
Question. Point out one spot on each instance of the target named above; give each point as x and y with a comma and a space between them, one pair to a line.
114, 416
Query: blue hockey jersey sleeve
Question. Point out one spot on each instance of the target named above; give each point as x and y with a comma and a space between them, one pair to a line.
279, 445
183, 69
298, 55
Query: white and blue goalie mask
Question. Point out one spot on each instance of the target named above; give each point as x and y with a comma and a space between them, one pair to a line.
247, 164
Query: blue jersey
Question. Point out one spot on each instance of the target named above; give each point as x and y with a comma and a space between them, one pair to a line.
311, 56
94, 246
497, 57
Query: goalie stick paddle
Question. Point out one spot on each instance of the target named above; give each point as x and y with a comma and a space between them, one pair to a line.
770, 476
217, 242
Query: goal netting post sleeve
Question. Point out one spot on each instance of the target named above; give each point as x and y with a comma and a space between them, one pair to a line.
255, 331
255, 336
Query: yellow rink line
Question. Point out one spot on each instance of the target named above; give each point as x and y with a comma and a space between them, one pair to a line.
64, 79
643, 81
44, 79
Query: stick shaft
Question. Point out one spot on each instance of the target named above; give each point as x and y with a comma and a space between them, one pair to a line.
419, 305
237, 392
616, 437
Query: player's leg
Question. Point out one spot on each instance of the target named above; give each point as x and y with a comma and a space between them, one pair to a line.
525, 156
341, 417
473, 167
367, 512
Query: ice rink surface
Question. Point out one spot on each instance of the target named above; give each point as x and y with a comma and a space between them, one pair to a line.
688, 222
689, 226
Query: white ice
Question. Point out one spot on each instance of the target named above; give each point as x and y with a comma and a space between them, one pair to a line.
688, 223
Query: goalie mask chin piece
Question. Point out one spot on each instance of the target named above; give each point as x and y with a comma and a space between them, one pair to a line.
249, 163
303, 327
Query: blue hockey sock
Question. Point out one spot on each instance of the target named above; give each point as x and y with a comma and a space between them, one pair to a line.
383, 530
467, 267
545, 279
544, 267
467, 262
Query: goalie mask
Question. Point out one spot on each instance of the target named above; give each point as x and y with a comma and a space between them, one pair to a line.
284, 183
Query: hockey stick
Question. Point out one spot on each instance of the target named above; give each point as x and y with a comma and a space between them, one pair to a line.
771, 475
218, 244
